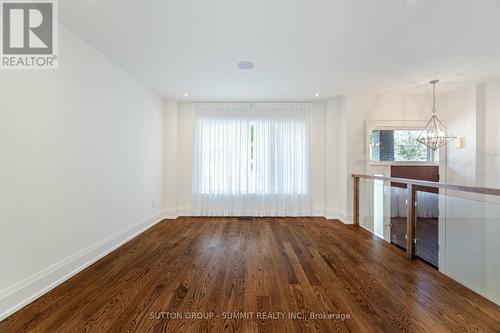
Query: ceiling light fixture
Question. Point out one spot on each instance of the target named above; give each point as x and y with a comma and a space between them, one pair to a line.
186, 94
246, 65
435, 134
316, 94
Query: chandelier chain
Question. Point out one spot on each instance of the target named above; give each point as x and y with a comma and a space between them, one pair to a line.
434, 96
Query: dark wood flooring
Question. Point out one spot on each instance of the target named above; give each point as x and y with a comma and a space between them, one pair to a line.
279, 265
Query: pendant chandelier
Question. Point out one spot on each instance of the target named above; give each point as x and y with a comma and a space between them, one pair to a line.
435, 134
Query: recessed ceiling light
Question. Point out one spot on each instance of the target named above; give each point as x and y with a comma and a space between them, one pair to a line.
316, 94
245, 65
186, 94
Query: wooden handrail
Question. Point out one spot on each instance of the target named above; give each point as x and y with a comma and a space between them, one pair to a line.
463, 188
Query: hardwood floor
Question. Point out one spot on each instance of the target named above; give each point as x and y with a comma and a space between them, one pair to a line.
265, 266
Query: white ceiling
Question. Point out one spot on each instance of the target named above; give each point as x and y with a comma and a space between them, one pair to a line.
299, 46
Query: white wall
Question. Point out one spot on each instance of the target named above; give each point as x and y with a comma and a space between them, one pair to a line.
318, 141
185, 157
492, 134
80, 167
170, 158
185, 125
458, 109
335, 161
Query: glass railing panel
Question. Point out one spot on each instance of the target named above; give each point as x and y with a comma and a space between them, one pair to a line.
469, 240
427, 225
366, 204
397, 213
379, 209
383, 210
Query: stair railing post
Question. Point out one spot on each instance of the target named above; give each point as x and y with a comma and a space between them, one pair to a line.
410, 222
356, 201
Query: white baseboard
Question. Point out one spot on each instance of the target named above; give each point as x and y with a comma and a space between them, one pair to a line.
318, 212
184, 211
26, 291
170, 213
336, 214
331, 214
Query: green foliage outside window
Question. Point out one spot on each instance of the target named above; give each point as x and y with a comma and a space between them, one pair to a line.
398, 146
407, 148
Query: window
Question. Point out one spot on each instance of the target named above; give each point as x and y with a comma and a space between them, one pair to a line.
261, 156
251, 159
398, 145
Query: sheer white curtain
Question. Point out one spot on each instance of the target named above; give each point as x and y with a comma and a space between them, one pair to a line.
252, 159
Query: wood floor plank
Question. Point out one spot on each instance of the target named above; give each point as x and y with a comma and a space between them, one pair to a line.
257, 275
